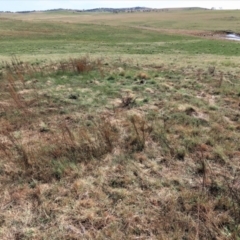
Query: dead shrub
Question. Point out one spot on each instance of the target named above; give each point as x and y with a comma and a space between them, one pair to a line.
139, 131
128, 101
13, 91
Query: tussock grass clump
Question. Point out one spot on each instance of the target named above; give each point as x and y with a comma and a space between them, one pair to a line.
142, 76
23, 70
74, 144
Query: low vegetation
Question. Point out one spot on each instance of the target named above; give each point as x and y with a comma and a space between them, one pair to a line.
136, 144
99, 150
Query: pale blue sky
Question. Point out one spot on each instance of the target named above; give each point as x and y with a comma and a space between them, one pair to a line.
21, 5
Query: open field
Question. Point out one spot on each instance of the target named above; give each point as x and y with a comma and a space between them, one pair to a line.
46, 35
119, 126
193, 20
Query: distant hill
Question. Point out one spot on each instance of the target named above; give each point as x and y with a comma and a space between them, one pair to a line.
134, 9
114, 10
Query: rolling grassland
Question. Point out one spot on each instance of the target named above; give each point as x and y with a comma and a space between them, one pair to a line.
119, 126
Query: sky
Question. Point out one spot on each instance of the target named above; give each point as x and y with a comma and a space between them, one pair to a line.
26, 5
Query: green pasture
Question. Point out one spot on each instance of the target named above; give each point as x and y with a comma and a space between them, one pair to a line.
47, 36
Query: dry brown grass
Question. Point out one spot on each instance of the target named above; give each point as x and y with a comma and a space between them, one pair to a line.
122, 173
19, 70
